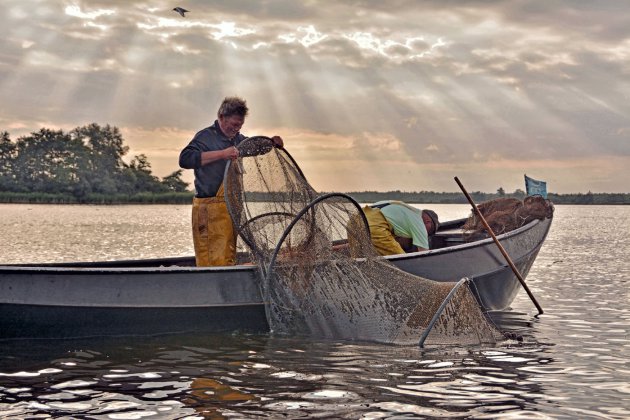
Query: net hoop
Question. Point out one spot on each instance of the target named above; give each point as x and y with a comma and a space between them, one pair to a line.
437, 314
312, 286
244, 145
302, 213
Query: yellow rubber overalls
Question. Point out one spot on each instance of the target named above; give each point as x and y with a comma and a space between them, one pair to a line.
213, 232
381, 232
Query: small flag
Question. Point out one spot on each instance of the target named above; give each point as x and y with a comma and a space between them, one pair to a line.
535, 187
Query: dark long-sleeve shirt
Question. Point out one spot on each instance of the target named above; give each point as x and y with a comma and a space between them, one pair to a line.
208, 178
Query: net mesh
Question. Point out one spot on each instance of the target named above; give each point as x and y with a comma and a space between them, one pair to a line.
506, 214
321, 275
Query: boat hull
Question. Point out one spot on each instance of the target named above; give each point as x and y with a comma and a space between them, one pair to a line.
494, 282
164, 296
48, 321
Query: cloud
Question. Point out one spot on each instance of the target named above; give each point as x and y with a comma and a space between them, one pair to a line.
397, 84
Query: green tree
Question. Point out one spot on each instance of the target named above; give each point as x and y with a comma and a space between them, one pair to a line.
51, 161
7, 160
518, 193
106, 149
585, 198
174, 182
144, 180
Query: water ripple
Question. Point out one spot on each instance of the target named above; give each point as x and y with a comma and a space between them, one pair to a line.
572, 362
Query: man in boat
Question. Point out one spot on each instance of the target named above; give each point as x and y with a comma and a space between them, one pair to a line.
397, 227
207, 153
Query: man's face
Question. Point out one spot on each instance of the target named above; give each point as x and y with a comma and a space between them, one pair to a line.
231, 125
428, 223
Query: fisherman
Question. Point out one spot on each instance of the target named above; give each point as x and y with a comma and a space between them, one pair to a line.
207, 153
397, 227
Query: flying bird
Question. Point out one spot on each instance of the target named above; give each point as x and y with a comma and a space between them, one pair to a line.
181, 11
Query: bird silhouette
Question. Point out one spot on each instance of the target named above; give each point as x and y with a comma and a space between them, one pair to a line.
181, 11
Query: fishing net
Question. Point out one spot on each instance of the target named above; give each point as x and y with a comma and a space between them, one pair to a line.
321, 275
506, 214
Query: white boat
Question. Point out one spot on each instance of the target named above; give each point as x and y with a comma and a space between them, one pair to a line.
158, 296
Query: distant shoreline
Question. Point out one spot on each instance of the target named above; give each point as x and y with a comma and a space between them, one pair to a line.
423, 197
85, 166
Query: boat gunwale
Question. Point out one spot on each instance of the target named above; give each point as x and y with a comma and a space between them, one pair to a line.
69, 269
470, 245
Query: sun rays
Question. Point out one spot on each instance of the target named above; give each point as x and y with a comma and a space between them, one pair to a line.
355, 90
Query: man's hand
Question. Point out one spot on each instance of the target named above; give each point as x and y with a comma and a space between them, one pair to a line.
277, 141
230, 153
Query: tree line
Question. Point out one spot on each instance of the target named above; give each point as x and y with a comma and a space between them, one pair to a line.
479, 197
85, 165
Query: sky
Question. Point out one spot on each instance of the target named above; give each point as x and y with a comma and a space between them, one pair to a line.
367, 95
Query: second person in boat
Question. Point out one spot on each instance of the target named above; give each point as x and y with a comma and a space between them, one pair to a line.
398, 228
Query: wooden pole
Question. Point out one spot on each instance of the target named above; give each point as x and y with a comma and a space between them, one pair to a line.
503, 251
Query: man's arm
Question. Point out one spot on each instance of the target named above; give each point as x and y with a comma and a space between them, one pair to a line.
407, 245
213, 156
192, 156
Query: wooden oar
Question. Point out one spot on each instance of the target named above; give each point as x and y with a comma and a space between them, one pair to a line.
496, 241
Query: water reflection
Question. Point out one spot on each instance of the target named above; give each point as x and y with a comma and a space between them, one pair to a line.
221, 376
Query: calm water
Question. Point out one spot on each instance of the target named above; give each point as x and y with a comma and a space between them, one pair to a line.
574, 361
